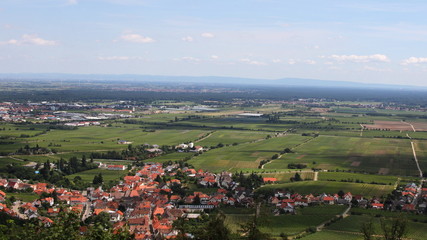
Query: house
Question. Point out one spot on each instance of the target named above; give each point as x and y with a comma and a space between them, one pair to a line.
329, 200
377, 205
269, 180
116, 167
123, 142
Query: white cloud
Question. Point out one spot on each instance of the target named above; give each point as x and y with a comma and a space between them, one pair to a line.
291, 61
119, 58
136, 38
214, 57
374, 69
414, 60
207, 35
27, 39
276, 60
309, 61
252, 62
188, 59
360, 58
187, 39
72, 2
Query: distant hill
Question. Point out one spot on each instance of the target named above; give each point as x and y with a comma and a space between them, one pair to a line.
294, 82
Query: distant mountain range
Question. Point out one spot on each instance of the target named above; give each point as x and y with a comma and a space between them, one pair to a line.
294, 82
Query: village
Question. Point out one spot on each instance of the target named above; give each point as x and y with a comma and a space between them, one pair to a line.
154, 197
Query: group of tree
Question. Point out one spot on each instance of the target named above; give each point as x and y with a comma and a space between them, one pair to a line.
139, 152
390, 229
65, 226
252, 181
27, 150
213, 227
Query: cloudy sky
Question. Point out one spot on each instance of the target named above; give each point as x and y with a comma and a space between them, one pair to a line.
375, 41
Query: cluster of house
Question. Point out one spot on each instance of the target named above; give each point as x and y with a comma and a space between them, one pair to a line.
409, 200
82, 124
188, 147
22, 112
144, 202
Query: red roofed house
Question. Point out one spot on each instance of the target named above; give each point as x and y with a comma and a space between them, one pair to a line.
269, 180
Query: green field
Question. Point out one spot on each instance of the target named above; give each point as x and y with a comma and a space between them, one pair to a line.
352, 177
283, 177
416, 230
288, 224
244, 156
97, 138
171, 157
318, 187
373, 155
229, 137
25, 197
329, 235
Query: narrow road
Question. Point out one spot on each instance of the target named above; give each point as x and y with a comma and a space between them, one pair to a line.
415, 156
361, 130
316, 175
412, 126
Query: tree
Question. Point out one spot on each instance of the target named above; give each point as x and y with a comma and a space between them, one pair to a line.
98, 179
84, 162
394, 230
367, 230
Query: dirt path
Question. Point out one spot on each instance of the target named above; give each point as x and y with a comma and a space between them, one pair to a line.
412, 126
416, 159
203, 138
415, 156
361, 130
343, 215
316, 175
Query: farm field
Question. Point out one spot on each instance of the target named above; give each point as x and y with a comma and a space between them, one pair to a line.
391, 125
87, 176
171, 157
288, 224
352, 177
328, 235
96, 138
421, 151
373, 155
244, 156
318, 187
229, 137
283, 177
353, 223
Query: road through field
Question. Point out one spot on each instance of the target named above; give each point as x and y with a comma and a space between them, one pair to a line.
415, 156
412, 126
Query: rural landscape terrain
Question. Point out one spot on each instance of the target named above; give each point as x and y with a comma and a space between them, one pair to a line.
310, 168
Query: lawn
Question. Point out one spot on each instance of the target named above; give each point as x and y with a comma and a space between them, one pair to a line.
244, 156
318, 187
25, 197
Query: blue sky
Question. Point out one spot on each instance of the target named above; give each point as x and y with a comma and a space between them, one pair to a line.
364, 41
